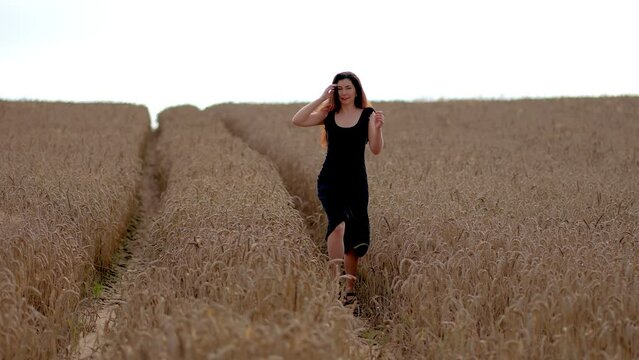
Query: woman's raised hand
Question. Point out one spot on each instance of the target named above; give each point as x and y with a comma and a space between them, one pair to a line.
378, 119
328, 92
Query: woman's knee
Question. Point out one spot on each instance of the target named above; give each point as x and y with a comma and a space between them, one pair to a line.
339, 230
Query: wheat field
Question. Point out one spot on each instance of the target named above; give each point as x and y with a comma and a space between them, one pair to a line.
500, 229
68, 182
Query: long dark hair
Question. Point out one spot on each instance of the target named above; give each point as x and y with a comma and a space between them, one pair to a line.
335, 105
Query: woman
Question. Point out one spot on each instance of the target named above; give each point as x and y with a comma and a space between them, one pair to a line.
342, 186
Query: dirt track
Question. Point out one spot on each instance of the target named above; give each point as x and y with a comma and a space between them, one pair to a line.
131, 259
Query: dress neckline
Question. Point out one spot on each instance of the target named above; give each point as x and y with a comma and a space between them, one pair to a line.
348, 127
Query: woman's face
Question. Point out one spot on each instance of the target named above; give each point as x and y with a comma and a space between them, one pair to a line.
346, 91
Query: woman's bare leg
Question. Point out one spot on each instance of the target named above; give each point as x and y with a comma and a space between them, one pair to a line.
350, 265
336, 247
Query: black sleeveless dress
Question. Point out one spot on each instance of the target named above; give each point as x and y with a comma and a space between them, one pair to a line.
342, 184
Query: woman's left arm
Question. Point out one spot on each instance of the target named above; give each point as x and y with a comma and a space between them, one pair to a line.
375, 138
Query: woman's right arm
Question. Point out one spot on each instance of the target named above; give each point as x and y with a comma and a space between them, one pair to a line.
308, 115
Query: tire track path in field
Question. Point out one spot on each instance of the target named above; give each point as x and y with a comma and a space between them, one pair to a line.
313, 229
130, 259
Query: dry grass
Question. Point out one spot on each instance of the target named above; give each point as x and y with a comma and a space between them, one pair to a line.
267, 129
501, 229
68, 178
231, 273
505, 229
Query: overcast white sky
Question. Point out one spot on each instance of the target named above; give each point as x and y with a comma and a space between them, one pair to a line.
166, 53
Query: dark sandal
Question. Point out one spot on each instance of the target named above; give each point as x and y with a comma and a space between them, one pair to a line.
349, 298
